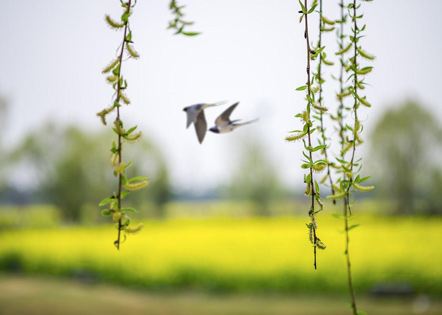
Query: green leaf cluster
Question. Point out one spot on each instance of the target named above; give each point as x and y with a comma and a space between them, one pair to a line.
177, 23
113, 204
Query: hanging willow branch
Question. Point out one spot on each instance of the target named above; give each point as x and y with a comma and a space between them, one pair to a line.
313, 166
325, 25
350, 133
177, 23
113, 71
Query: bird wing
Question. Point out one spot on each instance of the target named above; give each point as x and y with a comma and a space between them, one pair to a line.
201, 126
192, 114
224, 118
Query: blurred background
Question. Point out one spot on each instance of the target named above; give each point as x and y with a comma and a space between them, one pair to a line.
224, 221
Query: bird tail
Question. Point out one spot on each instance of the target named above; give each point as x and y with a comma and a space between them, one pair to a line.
248, 122
217, 103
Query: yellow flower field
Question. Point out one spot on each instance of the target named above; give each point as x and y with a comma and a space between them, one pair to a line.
253, 254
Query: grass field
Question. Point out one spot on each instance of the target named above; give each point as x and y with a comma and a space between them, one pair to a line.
38, 295
236, 255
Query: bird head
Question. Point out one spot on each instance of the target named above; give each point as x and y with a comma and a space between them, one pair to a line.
214, 129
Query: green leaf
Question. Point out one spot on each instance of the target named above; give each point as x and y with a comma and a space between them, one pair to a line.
316, 187
307, 157
137, 178
125, 17
320, 50
179, 30
353, 227
131, 130
302, 7
116, 70
114, 147
321, 161
129, 37
105, 201
341, 161
124, 193
190, 33
312, 9
305, 129
301, 88
319, 147
363, 179
129, 210
106, 212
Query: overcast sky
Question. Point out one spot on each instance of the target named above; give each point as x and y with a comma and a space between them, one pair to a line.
252, 51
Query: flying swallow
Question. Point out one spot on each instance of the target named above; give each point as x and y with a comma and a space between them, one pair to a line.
223, 123
195, 115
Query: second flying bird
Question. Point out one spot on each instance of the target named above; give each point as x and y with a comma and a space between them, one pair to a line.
223, 124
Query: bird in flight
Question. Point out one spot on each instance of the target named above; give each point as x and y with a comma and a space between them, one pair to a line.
223, 123
195, 115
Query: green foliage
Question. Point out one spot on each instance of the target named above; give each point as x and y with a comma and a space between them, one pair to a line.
177, 23
71, 179
313, 103
405, 146
255, 178
26, 217
350, 128
119, 85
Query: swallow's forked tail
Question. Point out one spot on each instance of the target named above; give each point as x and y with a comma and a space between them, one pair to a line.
247, 122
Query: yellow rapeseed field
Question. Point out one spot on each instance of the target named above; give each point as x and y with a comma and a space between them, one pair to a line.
251, 254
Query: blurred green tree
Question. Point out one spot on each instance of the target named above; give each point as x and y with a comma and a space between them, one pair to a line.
405, 147
70, 170
255, 178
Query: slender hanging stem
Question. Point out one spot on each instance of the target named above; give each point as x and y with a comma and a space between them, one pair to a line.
119, 148
321, 114
347, 207
313, 193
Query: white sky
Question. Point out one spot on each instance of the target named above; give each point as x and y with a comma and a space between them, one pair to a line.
253, 51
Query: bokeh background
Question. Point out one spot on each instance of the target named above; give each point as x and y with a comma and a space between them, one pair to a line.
224, 221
